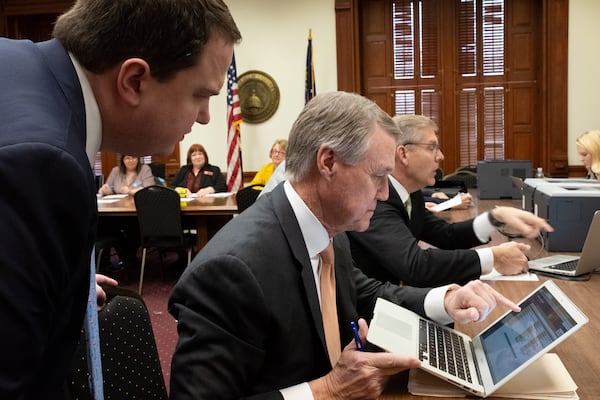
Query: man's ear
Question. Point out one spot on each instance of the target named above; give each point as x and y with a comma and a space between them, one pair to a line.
401, 154
131, 75
326, 160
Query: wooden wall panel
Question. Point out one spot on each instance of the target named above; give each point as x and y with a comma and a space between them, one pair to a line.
554, 99
546, 143
346, 25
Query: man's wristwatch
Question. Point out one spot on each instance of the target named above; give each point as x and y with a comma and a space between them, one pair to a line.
494, 221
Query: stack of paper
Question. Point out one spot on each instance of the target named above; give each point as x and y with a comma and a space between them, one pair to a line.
453, 202
547, 378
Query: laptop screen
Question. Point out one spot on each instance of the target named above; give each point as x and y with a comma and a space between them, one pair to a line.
519, 336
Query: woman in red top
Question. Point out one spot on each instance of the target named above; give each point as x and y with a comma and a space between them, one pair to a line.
198, 176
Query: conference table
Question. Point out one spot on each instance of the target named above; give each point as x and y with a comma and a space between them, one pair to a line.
580, 353
208, 213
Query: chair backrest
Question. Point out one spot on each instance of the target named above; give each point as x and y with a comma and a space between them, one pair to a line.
469, 178
130, 362
158, 210
246, 196
158, 169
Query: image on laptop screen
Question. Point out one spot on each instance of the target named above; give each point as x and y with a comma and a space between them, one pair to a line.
519, 336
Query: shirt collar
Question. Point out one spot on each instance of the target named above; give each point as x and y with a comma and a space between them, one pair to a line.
93, 123
314, 233
402, 192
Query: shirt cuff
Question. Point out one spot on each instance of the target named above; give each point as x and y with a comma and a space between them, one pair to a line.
434, 305
297, 392
486, 260
483, 228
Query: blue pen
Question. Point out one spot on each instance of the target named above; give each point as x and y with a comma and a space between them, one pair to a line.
357, 341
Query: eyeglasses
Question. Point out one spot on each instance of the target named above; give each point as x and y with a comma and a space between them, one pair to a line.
432, 147
281, 152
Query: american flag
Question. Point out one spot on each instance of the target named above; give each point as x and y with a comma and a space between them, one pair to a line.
234, 118
310, 89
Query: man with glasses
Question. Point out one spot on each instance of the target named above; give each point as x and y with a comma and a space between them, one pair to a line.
388, 250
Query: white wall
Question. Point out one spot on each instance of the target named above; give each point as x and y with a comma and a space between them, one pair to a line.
584, 71
274, 40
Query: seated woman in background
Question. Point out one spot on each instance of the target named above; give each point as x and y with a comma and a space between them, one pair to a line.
128, 177
198, 176
588, 148
277, 155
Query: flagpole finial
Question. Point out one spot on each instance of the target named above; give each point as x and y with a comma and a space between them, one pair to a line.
309, 34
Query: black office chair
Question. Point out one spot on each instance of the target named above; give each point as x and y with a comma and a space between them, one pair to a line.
104, 243
130, 363
159, 215
465, 175
158, 170
246, 196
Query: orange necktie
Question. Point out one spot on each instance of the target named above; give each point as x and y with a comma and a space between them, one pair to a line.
328, 304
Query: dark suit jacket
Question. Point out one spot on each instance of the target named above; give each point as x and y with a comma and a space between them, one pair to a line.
210, 175
388, 250
248, 314
46, 232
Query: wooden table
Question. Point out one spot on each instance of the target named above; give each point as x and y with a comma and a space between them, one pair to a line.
209, 213
580, 353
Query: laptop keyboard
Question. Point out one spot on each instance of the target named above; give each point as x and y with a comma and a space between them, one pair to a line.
566, 266
443, 349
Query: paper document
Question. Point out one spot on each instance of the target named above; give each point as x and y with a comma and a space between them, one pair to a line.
107, 201
497, 276
453, 202
547, 378
114, 196
217, 195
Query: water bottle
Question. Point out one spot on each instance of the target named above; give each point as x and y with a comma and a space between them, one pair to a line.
539, 173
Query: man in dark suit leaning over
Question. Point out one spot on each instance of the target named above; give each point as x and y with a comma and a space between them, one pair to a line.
121, 76
249, 306
389, 251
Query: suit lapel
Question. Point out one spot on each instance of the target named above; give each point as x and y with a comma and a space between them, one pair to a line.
395, 200
291, 230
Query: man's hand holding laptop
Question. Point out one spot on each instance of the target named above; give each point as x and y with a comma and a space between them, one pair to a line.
470, 303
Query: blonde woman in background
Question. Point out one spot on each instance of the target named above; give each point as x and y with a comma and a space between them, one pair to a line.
277, 154
588, 148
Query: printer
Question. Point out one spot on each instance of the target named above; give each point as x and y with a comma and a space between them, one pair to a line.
530, 184
494, 178
569, 209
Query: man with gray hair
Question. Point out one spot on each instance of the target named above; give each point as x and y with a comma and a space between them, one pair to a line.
264, 310
389, 250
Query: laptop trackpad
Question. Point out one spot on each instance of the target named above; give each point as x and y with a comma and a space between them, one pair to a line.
395, 325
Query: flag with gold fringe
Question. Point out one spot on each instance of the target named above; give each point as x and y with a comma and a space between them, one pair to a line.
310, 90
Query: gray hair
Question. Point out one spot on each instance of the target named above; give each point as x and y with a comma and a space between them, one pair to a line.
410, 127
343, 121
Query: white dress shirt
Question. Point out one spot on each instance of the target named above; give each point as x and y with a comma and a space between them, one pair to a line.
317, 239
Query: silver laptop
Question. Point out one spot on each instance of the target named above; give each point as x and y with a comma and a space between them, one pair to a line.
562, 264
485, 362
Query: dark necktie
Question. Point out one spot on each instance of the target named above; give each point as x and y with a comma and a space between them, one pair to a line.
328, 304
